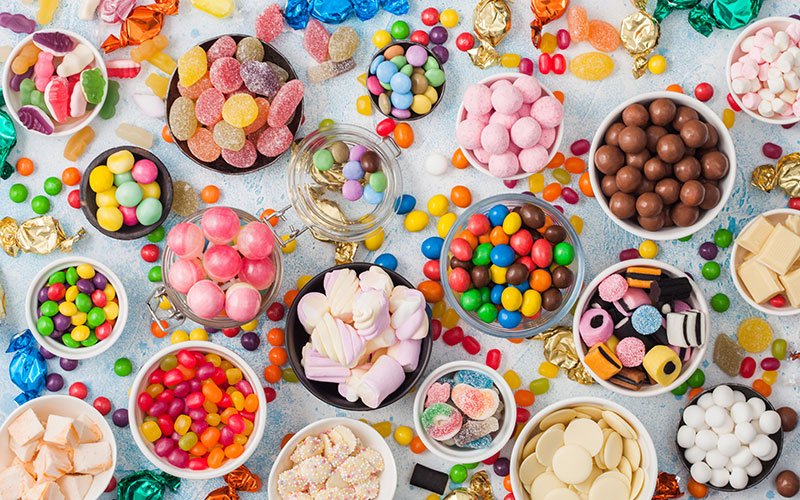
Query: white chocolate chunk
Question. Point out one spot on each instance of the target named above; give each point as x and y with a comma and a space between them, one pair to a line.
754, 236
780, 250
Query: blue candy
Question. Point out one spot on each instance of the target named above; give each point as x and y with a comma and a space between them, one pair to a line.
402, 101
27, 368
373, 67
371, 196
473, 378
404, 204
502, 255
523, 287
400, 82
387, 260
352, 170
385, 71
509, 319
646, 320
477, 444
297, 12
497, 214
497, 293
432, 247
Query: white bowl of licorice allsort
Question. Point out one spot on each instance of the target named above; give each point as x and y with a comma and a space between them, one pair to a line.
641, 328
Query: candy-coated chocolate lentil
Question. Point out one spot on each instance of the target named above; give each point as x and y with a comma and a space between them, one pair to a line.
415, 221
539, 386
417, 446
720, 302
449, 18
694, 392
779, 349
681, 389
657, 64
24, 166
674, 87
697, 379
403, 435
438, 205
512, 378
123, 367
704, 91
461, 196
471, 345
403, 134
728, 117
711, 270
563, 253
762, 388
471, 300
458, 474
459, 160
723, 238
381, 39
444, 224
493, 358
770, 377
648, 249
431, 270
548, 369
78, 390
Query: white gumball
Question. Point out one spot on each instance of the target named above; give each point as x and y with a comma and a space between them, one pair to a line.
769, 422
739, 478
716, 460
742, 457
694, 454
741, 412
754, 468
739, 397
719, 477
694, 416
715, 416
761, 446
728, 444
686, 436
723, 396
773, 451
726, 427
706, 401
706, 440
700, 472
436, 164
745, 432
758, 406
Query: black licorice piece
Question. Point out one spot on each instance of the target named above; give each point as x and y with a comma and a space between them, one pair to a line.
669, 289
429, 479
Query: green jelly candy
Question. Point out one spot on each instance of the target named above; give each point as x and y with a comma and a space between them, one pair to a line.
681, 389
154, 275
723, 238
720, 302
431, 63
109, 108
487, 313
486, 295
168, 363
120, 179
44, 325
49, 308
399, 61
123, 367
37, 99
57, 277
697, 379
93, 85
378, 181
400, 30
482, 254
561, 175
40, 204
95, 317
68, 341
539, 386
323, 160
18, 193
289, 375
435, 77
52, 186
83, 302
187, 441
325, 124
710, 270
471, 300
90, 340
563, 254
72, 276
779, 349
458, 474
685, 238
26, 88
157, 235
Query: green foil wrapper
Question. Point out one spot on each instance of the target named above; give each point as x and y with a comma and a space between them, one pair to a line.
8, 138
146, 485
723, 14
665, 7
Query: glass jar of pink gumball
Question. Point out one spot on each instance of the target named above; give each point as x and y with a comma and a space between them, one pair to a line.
221, 269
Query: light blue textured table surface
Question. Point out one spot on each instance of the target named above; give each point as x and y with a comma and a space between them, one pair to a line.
692, 59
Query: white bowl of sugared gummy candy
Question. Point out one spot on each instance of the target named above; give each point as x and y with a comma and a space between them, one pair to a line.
591, 445
76, 307
464, 412
762, 262
641, 328
170, 420
54, 82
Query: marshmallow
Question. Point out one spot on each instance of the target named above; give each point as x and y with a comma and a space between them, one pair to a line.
375, 278
92, 458
371, 313
406, 353
765, 109
338, 341
341, 288
311, 308
321, 368
781, 40
769, 52
384, 377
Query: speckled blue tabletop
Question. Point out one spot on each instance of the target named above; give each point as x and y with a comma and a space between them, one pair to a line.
692, 59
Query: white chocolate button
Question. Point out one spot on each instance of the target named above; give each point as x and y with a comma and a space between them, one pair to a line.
563, 416
562, 494
610, 485
612, 450
625, 467
632, 451
620, 425
530, 469
637, 483
593, 411
544, 484
530, 446
585, 433
572, 464
548, 444
585, 486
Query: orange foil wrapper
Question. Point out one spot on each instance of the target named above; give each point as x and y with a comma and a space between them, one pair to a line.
667, 487
239, 479
143, 23
545, 11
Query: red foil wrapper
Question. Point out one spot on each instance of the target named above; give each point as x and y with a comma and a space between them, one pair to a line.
239, 479
545, 11
667, 487
143, 23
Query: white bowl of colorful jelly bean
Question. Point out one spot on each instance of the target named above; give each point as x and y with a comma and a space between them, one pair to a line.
763, 70
55, 82
406, 80
464, 412
663, 313
509, 125
514, 271
656, 178
76, 307
171, 404
761, 258
591, 445
304, 459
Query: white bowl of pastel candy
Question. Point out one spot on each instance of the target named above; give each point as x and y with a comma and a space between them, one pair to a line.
509, 125
763, 70
730, 437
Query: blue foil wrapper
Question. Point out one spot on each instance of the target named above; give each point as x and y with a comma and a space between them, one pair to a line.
366, 9
396, 7
331, 11
296, 13
27, 369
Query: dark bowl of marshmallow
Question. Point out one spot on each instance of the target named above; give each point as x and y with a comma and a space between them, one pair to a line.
358, 336
641, 327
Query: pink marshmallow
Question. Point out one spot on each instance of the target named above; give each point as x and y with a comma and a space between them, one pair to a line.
481, 155
548, 138
793, 30
525, 109
498, 84
749, 69
504, 165
736, 70
503, 119
548, 111
468, 133
513, 148
526, 132
506, 99
321, 368
477, 99
763, 38
385, 377
751, 100
529, 87
494, 138
755, 53
763, 72
481, 118
406, 353
796, 108
534, 159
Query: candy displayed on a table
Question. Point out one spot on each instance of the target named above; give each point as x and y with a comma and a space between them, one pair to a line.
334, 462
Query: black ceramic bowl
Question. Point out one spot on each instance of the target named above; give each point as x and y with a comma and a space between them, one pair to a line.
297, 337
220, 165
89, 202
439, 89
766, 467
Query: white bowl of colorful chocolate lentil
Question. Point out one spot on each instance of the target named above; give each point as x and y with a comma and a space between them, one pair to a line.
763, 261
641, 327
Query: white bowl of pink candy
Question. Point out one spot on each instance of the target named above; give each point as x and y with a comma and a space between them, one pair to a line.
464, 412
509, 125
763, 70
221, 268
183, 410
55, 82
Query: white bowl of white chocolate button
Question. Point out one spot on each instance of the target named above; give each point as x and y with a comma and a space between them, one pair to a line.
584, 448
763, 70
764, 262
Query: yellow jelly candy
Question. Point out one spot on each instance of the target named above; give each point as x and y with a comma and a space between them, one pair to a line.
548, 43
728, 117
374, 240
192, 66
769, 376
240, 110
512, 379
577, 223
438, 205
217, 8
179, 336
438, 309
78, 319
416, 220
152, 190
158, 84
119, 163
403, 435
510, 60
107, 198
421, 105
383, 428
109, 218
362, 79
449, 18
381, 39
548, 369
450, 318
591, 66
101, 179
657, 64
163, 62
446, 221
250, 326
648, 249
536, 183
182, 424
303, 281
754, 334
85, 271
364, 105
150, 430
198, 334
164, 304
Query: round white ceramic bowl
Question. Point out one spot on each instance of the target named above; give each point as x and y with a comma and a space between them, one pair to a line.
452, 454
725, 146
737, 257
649, 457
136, 414
698, 303
12, 98
65, 406
58, 348
776, 23
482, 167
369, 437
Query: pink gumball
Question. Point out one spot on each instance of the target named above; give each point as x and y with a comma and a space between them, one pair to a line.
186, 240
222, 262
206, 299
144, 171
504, 165
259, 273
184, 273
242, 302
255, 241
128, 215
220, 225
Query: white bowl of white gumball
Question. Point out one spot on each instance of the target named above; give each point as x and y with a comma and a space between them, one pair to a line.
730, 437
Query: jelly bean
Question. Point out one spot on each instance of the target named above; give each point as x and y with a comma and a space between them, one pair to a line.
459, 160
696, 379
471, 345
559, 64
403, 435
562, 176
524, 397
450, 318
512, 379
577, 223
551, 192
381, 38
728, 117
674, 87
657, 64
548, 43
681, 389
711, 270
548, 369
458, 474
536, 183
704, 92
794, 203
779, 349
762, 388
364, 105
493, 357
591, 66
385, 127
539, 386
770, 377
771, 150
509, 60
522, 416
630, 253
770, 364
453, 336
545, 63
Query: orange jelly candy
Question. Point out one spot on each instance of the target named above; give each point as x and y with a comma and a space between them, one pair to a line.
459, 160
551, 192
697, 490
585, 185
524, 397
603, 36
578, 24
762, 388
575, 165
557, 161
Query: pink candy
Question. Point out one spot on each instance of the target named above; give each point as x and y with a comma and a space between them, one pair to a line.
128, 216
222, 262
144, 171
269, 23
315, 40
468, 133
255, 241
259, 273
437, 393
526, 133
123, 68
43, 70
206, 299
534, 159
477, 99
244, 158
225, 75
208, 107
477, 404
506, 99
284, 104
494, 138
225, 46
184, 273
57, 98
548, 111
186, 240
504, 165
242, 302
275, 140
220, 225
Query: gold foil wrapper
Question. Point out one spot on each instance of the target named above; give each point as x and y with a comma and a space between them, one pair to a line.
345, 251
764, 178
332, 179
639, 33
559, 349
788, 169
460, 494
491, 21
2, 303
480, 488
185, 200
40, 235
